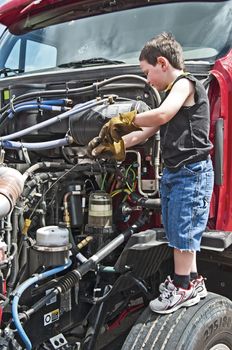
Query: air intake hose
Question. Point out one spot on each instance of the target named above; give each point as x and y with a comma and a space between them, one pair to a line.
84, 126
11, 186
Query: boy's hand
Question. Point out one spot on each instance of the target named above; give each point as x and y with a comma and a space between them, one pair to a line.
109, 143
119, 126
115, 150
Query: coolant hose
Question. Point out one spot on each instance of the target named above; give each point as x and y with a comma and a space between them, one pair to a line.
19, 291
14, 109
61, 102
37, 145
36, 107
58, 118
44, 165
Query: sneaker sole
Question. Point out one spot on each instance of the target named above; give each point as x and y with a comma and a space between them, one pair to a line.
201, 294
187, 303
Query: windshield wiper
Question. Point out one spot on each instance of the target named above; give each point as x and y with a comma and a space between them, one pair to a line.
90, 61
6, 71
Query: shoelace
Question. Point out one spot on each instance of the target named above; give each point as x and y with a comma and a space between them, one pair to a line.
167, 294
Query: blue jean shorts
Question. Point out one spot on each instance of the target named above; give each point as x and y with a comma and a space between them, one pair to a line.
185, 198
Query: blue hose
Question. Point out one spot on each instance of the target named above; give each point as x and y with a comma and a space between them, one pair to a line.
19, 291
57, 102
76, 109
35, 106
35, 145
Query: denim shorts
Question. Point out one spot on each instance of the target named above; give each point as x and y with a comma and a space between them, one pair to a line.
185, 198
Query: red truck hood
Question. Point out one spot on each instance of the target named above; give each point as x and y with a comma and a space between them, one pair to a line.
24, 15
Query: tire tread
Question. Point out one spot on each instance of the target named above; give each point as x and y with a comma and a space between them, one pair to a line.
177, 330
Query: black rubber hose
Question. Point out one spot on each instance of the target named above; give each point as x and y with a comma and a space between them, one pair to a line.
95, 87
13, 275
148, 203
46, 93
15, 262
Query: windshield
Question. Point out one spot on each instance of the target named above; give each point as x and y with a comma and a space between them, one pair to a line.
204, 29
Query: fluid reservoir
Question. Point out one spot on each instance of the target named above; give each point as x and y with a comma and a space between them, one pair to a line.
100, 213
51, 248
52, 236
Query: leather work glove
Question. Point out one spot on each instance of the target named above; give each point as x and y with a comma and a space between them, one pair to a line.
96, 141
119, 126
115, 150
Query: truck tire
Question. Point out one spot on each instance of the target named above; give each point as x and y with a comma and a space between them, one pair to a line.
206, 326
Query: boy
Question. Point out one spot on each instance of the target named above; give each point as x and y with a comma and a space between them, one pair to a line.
187, 181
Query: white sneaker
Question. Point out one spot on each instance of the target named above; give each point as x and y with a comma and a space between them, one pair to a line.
199, 284
165, 285
174, 298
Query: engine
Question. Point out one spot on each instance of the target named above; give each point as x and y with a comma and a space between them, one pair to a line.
69, 249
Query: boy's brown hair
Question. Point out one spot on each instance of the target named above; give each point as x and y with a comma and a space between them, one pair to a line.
164, 45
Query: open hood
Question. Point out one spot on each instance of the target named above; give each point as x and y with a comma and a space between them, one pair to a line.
68, 33
21, 16
24, 15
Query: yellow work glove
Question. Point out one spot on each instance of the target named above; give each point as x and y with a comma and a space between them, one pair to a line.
93, 144
119, 126
104, 149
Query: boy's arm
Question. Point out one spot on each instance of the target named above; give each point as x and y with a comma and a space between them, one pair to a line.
137, 137
178, 96
101, 148
150, 121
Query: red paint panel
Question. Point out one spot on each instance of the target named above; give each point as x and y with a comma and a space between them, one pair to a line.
221, 107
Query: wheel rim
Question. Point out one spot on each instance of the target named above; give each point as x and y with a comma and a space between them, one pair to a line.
220, 347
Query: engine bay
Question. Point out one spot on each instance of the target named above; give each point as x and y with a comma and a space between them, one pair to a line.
67, 219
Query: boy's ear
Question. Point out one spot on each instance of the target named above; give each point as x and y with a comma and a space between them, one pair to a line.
163, 62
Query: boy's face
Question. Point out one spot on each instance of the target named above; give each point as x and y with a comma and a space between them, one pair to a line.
155, 74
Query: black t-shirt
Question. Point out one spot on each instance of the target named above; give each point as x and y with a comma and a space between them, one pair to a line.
185, 138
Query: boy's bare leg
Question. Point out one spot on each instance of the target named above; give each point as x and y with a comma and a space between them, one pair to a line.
183, 262
194, 264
